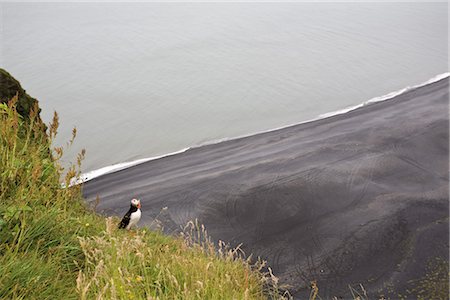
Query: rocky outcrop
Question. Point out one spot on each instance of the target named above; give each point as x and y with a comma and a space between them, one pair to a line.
9, 87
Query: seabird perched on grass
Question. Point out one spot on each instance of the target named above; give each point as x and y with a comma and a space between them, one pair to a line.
132, 216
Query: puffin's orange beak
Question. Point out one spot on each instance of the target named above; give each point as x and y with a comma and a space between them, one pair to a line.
139, 205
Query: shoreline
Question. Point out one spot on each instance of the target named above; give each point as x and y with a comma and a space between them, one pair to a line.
359, 197
85, 177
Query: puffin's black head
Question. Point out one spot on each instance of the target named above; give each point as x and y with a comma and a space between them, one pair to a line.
136, 203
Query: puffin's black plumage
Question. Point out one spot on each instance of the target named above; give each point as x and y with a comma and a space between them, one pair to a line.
126, 219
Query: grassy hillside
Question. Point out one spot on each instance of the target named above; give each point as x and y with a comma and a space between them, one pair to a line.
53, 247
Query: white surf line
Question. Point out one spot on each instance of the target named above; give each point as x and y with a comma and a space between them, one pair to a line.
385, 97
120, 166
336, 112
117, 167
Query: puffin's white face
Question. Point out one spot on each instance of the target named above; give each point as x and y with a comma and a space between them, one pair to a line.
136, 203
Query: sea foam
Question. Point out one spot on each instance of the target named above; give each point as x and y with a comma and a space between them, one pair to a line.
124, 165
120, 166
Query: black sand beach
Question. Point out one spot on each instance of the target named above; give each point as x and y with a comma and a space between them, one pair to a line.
360, 197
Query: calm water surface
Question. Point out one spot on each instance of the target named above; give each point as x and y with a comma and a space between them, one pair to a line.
145, 79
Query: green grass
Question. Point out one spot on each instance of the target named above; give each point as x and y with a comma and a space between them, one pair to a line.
53, 247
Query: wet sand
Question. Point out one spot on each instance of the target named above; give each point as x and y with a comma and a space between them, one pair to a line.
360, 197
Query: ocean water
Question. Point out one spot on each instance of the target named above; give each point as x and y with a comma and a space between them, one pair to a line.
141, 80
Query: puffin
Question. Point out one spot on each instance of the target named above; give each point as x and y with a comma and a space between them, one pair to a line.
132, 216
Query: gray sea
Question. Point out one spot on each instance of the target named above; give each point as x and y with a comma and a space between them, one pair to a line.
140, 80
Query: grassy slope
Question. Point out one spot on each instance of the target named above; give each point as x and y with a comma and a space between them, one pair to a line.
52, 247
